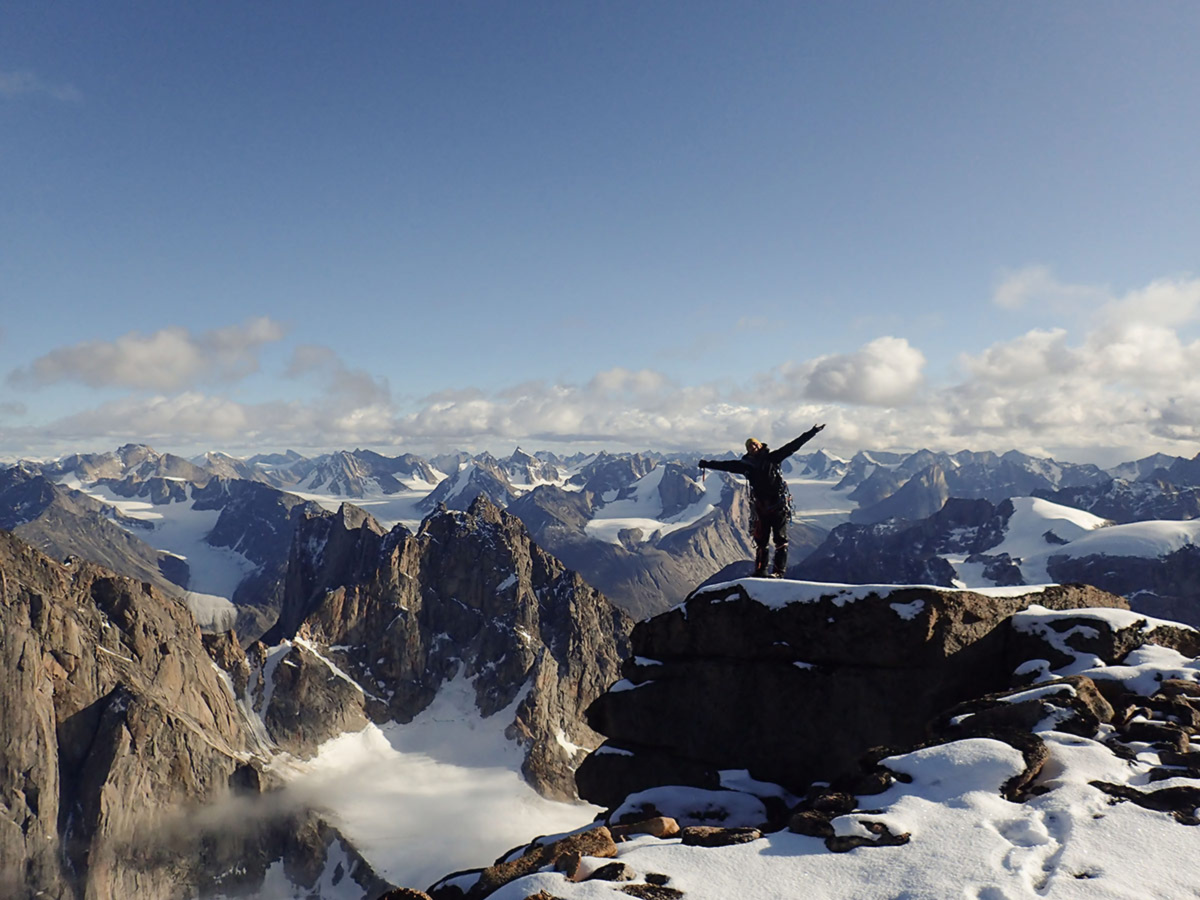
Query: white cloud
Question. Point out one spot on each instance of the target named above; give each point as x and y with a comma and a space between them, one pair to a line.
885, 372
166, 360
1129, 379
345, 388
1032, 356
644, 383
1123, 381
186, 417
1038, 285
1166, 302
17, 83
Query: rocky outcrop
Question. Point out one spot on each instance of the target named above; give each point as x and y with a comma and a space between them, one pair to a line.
525, 468
821, 465
1055, 640
470, 595
791, 680
877, 480
1120, 731
864, 464
135, 462
355, 475
126, 767
112, 711
1181, 471
876, 488
302, 699
258, 522
608, 472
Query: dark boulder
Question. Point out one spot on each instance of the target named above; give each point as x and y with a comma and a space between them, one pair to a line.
793, 681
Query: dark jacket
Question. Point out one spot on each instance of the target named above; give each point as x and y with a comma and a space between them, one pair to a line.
768, 490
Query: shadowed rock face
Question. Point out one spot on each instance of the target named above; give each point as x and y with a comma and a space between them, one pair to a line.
403, 613
796, 691
257, 521
111, 710
921, 496
125, 763
1164, 587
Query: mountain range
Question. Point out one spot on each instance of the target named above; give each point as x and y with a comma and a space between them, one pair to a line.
358, 606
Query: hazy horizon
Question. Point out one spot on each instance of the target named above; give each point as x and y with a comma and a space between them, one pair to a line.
1105, 458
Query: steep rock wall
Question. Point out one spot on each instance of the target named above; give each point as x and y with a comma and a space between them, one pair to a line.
470, 594
794, 680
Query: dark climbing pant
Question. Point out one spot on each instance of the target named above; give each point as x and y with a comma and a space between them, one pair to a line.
768, 522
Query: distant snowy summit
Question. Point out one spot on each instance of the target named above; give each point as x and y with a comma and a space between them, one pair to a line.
1021, 541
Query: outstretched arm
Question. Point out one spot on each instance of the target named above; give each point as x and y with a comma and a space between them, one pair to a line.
778, 456
736, 466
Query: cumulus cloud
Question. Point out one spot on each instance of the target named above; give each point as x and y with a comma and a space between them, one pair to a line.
885, 372
17, 83
1167, 302
1128, 377
1129, 380
616, 407
169, 359
1035, 355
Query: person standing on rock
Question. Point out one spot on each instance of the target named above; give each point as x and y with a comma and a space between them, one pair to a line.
770, 499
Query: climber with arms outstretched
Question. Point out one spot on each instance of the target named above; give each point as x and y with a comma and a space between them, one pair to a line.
770, 500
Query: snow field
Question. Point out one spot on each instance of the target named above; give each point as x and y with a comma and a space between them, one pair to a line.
966, 840
644, 510
816, 502
213, 572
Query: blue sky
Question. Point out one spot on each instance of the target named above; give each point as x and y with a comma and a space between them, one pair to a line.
416, 226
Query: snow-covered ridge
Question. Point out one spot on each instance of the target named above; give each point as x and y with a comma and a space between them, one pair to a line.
642, 509
1146, 540
1039, 530
778, 593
